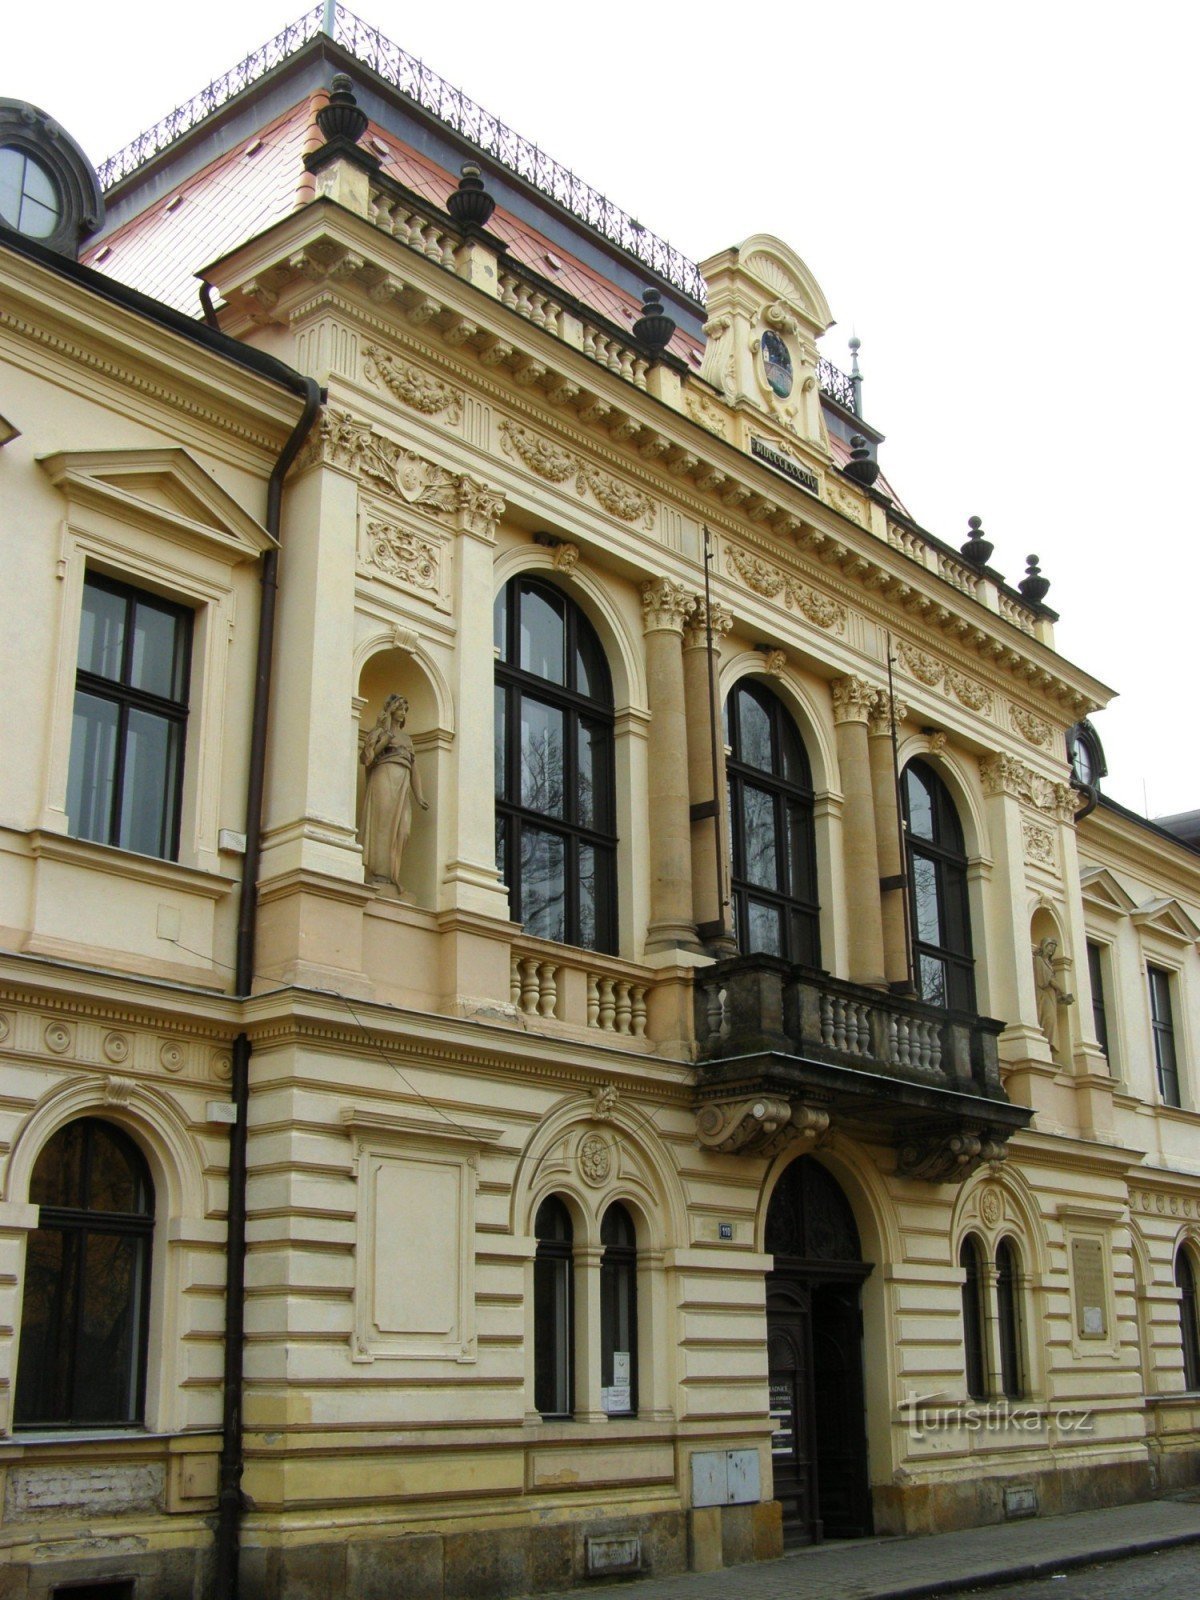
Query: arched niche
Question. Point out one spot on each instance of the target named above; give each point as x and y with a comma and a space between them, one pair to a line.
395, 670
1044, 924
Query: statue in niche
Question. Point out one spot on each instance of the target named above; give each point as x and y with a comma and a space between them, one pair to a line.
1050, 994
392, 785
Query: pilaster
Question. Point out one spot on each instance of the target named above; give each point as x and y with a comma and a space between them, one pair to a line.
853, 699
706, 775
665, 606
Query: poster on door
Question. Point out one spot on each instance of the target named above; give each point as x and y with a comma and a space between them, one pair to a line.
783, 1436
617, 1398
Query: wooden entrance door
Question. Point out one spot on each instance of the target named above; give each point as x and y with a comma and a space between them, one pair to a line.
789, 1361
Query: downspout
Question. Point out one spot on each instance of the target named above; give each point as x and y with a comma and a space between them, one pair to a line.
229, 1504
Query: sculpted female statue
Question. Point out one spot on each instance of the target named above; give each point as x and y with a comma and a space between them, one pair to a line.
392, 786
1049, 993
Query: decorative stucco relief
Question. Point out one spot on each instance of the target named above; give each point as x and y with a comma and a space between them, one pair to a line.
1039, 844
412, 385
929, 670
772, 584
706, 412
1005, 774
403, 555
556, 464
1031, 727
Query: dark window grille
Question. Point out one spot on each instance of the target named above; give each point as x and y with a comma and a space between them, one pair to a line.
937, 870
1189, 1320
618, 1304
556, 843
969, 1258
775, 902
1096, 978
553, 1311
1162, 1025
86, 1302
125, 781
1008, 1306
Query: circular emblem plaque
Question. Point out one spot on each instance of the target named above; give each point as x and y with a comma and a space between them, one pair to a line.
777, 364
595, 1159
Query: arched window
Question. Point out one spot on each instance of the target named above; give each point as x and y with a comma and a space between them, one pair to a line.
556, 842
1008, 1310
87, 1282
937, 870
618, 1313
970, 1259
553, 1311
775, 903
1189, 1320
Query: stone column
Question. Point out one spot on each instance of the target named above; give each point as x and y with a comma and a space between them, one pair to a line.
710, 823
665, 605
886, 712
852, 701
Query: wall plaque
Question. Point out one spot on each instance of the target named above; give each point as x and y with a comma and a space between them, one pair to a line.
1087, 1269
784, 464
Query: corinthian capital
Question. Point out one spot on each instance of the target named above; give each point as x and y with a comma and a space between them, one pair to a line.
852, 699
665, 605
696, 633
886, 711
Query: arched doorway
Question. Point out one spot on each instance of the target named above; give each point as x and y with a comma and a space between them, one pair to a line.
814, 1354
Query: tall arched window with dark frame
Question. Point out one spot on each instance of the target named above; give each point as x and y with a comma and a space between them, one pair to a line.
85, 1308
556, 843
937, 871
776, 906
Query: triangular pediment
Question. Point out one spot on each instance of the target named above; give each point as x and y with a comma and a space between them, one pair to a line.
1103, 892
166, 490
1167, 917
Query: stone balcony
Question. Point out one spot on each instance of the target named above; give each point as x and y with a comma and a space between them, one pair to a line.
786, 1052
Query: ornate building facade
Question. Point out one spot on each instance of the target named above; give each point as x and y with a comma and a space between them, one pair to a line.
571, 1003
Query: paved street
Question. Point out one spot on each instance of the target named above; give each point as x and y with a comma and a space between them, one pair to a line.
949, 1563
1163, 1575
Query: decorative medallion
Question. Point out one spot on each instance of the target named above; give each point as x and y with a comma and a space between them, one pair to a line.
116, 1047
170, 1053
594, 1155
1031, 727
991, 1206
222, 1066
58, 1037
777, 363
1039, 843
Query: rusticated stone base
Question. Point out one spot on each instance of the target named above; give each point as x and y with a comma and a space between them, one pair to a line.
975, 1502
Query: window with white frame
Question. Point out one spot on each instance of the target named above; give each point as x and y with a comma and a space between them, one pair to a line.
1162, 1027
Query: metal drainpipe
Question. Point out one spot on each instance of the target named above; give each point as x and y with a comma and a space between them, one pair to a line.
229, 1504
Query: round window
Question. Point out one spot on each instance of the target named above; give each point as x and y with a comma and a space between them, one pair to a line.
29, 199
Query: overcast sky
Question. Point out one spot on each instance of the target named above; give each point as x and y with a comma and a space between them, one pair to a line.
1000, 199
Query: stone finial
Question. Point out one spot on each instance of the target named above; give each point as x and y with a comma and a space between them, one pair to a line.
654, 327
862, 466
1033, 585
977, 549
342, 118
470, 204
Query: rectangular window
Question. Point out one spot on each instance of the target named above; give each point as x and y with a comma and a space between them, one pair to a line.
126, 773
1099, 1014
1163, 1027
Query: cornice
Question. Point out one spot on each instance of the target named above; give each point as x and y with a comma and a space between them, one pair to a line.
125, 351
716, 481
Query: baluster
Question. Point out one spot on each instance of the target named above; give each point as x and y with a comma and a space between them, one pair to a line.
514, 981
826, 1020
626, 365
893, 1039
923, 1044
864, 1030
624, 1007
589, 341
593, 999
607, 1007
713, 1010
448, 249
508, 291
839, 1023
935, 1053
529, 985
548, 999
639, 1010
640, 369
903, 1041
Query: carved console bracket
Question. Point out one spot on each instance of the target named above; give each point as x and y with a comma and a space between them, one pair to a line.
943, 1157
760, 1126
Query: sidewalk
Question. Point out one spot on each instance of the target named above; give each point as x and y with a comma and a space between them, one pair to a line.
904, 1569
